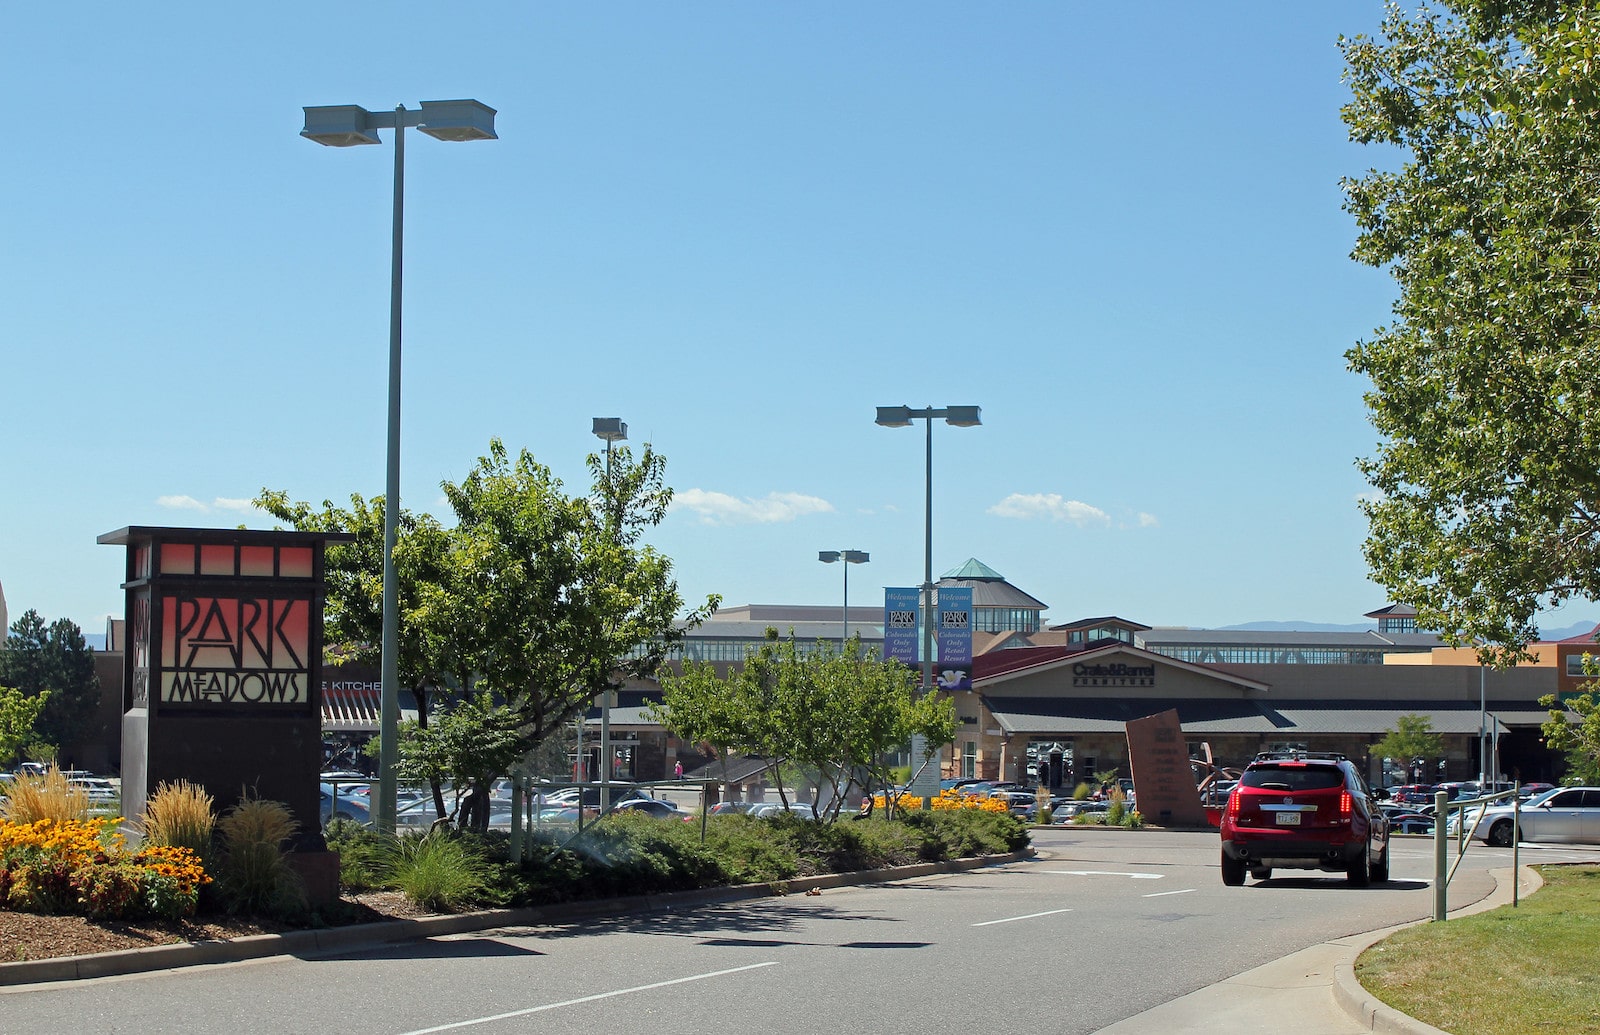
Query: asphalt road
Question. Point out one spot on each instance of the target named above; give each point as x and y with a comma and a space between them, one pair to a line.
1100, 927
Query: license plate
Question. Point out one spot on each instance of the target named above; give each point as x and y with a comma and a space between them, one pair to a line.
1288, 819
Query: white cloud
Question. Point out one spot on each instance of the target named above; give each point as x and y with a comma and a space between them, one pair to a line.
718, 508
1029, 506
190, 503
180, 503
1148, 520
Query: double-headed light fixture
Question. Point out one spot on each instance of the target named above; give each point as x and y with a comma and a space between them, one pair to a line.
849, 557
901, 417
349, 125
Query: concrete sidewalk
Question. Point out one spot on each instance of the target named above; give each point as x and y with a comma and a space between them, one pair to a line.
1311, 992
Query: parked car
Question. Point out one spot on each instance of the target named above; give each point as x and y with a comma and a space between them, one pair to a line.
1303, 810
650, 807
1066, 812
1408, 821
1563, 815
353, 807
773, 808
1412, 794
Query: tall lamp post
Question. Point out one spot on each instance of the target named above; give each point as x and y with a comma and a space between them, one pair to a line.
349, 125
901, 417
611, 429
849, 557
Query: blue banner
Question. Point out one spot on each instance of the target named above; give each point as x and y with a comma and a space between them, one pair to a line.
900, 624
955, 638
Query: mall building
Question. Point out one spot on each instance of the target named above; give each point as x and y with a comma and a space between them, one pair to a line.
1064, 691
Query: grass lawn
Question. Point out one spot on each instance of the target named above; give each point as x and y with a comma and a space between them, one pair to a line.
1508, 971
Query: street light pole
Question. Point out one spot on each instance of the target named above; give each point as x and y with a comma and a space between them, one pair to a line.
901, 417
611, 429
849, 557
349, 125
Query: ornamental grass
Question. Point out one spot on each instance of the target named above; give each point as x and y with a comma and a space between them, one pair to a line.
180, 815
84, 867
254, 874
47, 796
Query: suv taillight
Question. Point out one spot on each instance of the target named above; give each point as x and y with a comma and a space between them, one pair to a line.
1346, 806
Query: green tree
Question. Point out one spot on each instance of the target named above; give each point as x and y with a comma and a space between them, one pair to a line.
557, 599
1412, 737
1483, 392
1578, 741
18, 713
472, 742
832, 715
54, 658
429, 656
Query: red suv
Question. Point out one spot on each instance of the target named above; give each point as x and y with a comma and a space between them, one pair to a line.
1303, 810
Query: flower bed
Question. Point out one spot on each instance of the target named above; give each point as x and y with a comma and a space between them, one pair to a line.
85, 868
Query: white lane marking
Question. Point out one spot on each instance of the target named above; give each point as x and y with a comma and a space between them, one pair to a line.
589, 999
1030, 916
1108, 873
1159, 894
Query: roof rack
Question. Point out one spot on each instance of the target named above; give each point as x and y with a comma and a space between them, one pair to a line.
1297, 756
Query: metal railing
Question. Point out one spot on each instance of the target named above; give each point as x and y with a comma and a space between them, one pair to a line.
1443, 869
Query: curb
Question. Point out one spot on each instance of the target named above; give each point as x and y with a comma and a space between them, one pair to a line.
1376, 1015
330, 939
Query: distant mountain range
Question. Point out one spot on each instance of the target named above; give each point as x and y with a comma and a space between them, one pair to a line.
1565, 632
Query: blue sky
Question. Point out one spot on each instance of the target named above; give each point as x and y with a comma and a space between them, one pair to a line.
739, 227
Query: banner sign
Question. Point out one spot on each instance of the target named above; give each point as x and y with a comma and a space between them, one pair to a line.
955, 638
900, 624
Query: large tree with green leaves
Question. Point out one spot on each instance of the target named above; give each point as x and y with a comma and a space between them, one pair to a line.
534, 602
833, 715
54, 658
556, 598
429, 655
1484, 391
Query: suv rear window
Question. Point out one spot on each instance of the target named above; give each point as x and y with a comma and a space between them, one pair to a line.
1292, 777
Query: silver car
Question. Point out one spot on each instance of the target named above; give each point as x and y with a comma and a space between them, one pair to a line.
1569, 815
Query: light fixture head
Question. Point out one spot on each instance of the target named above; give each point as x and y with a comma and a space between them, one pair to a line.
827, 556
339, 125
962, 416
894, 416
612, 429
856, 556
457, 120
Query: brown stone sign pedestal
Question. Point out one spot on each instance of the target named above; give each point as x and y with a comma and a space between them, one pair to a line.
1162, 780
222, 681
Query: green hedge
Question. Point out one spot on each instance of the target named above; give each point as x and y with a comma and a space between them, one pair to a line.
634, 854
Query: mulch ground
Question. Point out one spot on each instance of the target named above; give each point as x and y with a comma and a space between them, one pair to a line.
29, 936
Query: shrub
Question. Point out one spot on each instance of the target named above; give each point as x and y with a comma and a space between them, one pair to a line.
255, 876
365, 856
439, 870
48, 796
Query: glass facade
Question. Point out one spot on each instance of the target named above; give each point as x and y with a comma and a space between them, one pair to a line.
1005, 619
1261, 655
1090, 635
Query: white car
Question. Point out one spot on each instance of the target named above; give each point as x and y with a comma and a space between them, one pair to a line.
773, 808
1569, 815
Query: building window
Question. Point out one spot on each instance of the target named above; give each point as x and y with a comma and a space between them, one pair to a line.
969, 760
